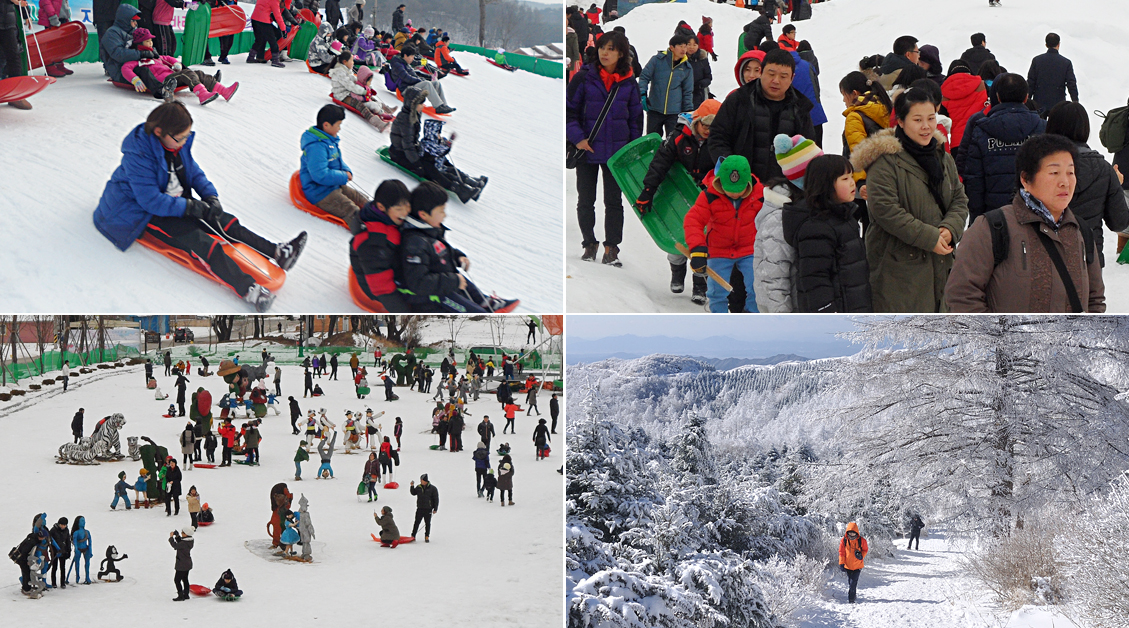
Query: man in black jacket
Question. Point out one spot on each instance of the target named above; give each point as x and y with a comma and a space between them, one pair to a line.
753, 115
905, 54
398, 19
60, 550
554, 412
295, 414
181, 384
427, 504
977, 54
1050, 76
76, 424
168, 364
757, 31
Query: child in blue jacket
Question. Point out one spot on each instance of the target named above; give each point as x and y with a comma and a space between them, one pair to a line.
325, 177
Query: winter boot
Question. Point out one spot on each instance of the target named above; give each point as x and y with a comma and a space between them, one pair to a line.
219, 76
208, 62
389, 110
226, 92
699, 295
288, 253
380, 123
20, 104
444, 109
65, 69
677, 277
611, 256
464, 192
55, 70
251, 57
277, 63
224, 61
282, 58
170, 86
204, 95
260, 297
590, 252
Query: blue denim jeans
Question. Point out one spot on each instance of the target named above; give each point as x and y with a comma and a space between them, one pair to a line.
717, 295
297, 469
114, 504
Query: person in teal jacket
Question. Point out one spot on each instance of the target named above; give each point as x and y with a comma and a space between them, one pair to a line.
325, 177
671, 81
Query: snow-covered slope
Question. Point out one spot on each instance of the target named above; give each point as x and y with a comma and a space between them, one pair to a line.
485, 565
841, 33
57, 158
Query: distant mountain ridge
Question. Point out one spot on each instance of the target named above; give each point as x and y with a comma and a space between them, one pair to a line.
761, 351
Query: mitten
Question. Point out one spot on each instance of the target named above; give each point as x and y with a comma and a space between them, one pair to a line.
699, 256
53, 20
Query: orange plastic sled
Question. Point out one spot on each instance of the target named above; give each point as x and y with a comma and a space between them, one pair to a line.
363, 302
261, 271
299, 200
313, 71
428, 109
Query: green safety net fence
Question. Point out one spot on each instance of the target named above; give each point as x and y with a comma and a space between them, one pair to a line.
241, 44
53, 361
542, 67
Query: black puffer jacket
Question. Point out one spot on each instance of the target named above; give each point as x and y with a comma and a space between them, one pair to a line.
427, 497
757, 31
744, 126
801, 10
975, 56
703, 76
986, 157
833, 273
684, 148
404, 135
10, 16
428, 261
1098, 196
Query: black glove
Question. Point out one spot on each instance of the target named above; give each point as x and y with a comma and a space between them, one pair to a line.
201, 210
643, 203
699, 255
149, 54
843, 568
213, 202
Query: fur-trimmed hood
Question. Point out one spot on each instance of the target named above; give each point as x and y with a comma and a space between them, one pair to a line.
882, 143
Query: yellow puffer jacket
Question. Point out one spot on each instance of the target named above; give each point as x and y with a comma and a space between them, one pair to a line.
854, 131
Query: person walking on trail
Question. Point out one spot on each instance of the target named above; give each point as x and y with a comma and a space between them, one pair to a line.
531, 400
915, 527
168, 364
427, 504
1050, 77
76, 424
852, 553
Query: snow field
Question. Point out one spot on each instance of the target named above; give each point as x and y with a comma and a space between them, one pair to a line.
484, 566
841, 33
61, 154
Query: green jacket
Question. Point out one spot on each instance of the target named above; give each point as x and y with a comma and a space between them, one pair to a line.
905, 221
301, 456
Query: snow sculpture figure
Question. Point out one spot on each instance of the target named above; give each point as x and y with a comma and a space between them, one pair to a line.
305, 528
107, 444
77, 453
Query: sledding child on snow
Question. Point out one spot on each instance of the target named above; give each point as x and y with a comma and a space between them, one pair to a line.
364, 79
364, 49
431, 266
120, 492
169, 71
324, 175
161, 396
227, 587
444, 60
404, 76
172, 409
727, 209
206, 515
152, 192
427, 157
320, 55
389, 533
347, 89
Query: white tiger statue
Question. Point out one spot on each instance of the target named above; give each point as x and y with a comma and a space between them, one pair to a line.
134, 451
77, 453
107, 444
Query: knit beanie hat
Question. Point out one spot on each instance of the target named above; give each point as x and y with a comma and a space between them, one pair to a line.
423, 478
121, 475
706, 111
369, 32
734, 174
794, 154
336, 47
140, 34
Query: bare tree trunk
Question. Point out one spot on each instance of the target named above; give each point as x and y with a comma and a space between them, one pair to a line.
481, 22
222, 326
101, 340
15, 332
64, 338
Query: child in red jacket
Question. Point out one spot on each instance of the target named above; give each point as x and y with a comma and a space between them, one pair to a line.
726, 209
705, 36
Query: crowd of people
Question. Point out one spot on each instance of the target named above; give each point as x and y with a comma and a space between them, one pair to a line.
890, 225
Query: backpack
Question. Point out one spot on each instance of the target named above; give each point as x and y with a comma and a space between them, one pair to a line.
1114, 134
869, 125
1001, 240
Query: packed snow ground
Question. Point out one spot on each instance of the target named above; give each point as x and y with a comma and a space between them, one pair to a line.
841, 33
919, 588
59, 156
485, 565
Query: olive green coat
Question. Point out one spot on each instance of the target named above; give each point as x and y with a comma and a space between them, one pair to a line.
905, 221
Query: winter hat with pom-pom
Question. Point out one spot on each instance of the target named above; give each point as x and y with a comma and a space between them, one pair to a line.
793, 154
734, 174
369, 32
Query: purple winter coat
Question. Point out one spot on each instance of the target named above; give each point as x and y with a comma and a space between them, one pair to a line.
586, 97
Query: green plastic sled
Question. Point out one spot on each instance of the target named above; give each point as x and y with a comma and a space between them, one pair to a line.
300, 47
363, 390
382, 152
197, 25
741, 49
675, 196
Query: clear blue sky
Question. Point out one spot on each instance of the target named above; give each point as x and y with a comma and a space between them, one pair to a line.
697, 326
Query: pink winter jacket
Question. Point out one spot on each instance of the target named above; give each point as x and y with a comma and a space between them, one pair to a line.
162, 13
47, 8
264, 9
161, 68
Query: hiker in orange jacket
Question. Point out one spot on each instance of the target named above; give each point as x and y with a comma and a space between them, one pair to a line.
443, 57
852, 553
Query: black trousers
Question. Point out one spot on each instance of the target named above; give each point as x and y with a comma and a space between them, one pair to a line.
503, 494
456, 443
180, 404
226, 459
164, 40
190, 235
915, 535
553, 429
194, 516
150, 81
853, 583
422, 514
333, 372
58, 562
479, 476
25, 573
510, 426
264, 34
442, 437
181, 581
586, 177
171, 499
661, 123
168, 370
225, 47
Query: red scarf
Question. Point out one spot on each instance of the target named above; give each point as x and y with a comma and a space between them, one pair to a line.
610, 78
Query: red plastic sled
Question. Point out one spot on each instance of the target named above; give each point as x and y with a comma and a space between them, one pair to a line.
227, 20
508, 68
283, 44
20, 87
428, 109
56, 44
199, 589
392, 485
262, 272
204, 523
299, 200
310, 16
403, 539
362, 301
128, 86
204, 465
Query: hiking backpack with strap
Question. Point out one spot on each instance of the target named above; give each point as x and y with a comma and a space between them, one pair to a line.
1114, 134
1001, 239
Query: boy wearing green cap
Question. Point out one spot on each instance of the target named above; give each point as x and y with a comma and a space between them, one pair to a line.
721, 228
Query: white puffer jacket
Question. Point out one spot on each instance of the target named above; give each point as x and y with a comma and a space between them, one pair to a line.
345, 83
774, 260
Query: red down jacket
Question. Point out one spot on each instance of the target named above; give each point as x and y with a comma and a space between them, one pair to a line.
713, 221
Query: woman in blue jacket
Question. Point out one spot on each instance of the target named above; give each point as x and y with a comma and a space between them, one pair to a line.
587, 92
152, 192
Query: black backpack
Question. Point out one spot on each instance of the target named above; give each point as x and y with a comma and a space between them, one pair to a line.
869, 125
1001, 239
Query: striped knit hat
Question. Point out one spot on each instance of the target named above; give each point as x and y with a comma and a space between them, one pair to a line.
794, 154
